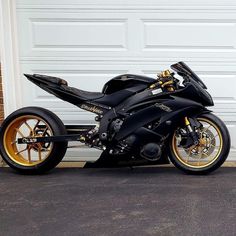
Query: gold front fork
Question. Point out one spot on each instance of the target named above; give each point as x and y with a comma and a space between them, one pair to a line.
186, 121
189, 127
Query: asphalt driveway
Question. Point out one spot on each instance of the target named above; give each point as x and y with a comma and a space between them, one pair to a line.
141, 201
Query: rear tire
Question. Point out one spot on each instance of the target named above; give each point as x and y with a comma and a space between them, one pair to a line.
203, 167
36, 158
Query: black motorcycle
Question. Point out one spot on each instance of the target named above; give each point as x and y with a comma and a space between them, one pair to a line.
140, 120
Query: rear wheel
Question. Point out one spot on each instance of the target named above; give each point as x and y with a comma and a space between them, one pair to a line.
211, 151
35, 158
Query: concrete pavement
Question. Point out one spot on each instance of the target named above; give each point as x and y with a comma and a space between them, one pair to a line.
122, 201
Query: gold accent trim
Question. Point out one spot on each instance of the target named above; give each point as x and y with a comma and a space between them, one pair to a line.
165, 73
167, 83
22, 153
152, 86
170, 89
82, 139
180, 158
186, 121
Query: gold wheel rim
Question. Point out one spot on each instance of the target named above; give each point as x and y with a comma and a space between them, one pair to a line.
27, 154
204, 160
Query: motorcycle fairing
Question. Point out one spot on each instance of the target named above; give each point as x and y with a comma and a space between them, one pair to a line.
60, 89
125, 81
183, 70
95, 102
168, 112
117, 97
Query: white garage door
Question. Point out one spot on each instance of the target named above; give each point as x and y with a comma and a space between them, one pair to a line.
88, 42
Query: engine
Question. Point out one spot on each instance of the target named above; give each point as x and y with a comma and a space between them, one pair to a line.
134, 144
151, 151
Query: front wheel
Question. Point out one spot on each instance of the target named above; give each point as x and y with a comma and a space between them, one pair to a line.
35, 158
211, 151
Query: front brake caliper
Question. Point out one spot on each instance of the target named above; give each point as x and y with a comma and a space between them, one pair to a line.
191, 130
190, 136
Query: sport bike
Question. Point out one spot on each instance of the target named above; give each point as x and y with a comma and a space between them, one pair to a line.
139, 121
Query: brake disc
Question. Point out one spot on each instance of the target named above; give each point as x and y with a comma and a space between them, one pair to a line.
206, 145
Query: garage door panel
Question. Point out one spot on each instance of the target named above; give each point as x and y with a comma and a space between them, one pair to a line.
72, 34
79, 34
188, 35
125, 34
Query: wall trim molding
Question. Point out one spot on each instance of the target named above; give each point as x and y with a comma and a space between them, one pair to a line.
9, 56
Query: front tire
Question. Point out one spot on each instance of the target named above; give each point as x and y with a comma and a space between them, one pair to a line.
32, 158
209, 154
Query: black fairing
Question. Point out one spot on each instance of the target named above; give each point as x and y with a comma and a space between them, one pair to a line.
160, 108
121, 87
127, 81
193, 92
147, 107
60, 89
115, 98
182, 69
114, 92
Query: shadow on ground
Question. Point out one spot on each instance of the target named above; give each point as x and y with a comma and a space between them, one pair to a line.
122, 201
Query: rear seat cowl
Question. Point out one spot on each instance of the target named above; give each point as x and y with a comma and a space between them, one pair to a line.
51, 79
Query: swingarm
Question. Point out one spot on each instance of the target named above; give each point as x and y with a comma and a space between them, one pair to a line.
74, 133
49, 139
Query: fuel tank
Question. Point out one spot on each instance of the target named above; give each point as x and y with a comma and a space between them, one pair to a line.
127, 81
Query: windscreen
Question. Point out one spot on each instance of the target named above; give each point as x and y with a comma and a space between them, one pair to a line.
182, 69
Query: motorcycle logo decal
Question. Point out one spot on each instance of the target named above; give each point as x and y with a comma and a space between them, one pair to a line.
163, 107
93, 109
29, 140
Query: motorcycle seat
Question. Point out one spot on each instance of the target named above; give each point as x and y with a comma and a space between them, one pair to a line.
81, 94
71, 93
